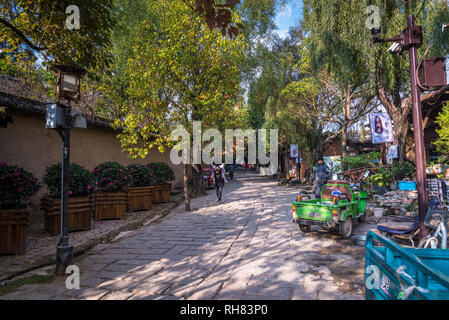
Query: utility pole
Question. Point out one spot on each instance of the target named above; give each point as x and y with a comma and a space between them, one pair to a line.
411, 39
418, 131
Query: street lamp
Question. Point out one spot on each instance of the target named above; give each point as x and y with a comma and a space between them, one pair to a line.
411, 39
69, 77
62, 118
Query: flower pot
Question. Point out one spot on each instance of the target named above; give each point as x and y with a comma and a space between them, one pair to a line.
13, 223
139, 198
161, 193
80, 212
110, 205
378, 212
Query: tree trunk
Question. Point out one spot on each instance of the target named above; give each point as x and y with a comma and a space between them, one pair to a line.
197, 185
401, 127
186, 187
344, 134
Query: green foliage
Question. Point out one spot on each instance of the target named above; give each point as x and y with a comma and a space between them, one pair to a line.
162, 173
139, 175
81, 180
110, 177
180, 71
401, 170
42, 23
354, 162
360, 161
383, 177
17, 186
442, 142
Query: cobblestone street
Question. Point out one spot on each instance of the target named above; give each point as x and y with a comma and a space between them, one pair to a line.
245, 248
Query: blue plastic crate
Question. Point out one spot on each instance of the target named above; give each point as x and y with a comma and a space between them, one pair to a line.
407, 185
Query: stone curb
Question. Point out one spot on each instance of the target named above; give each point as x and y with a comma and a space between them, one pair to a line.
90, 244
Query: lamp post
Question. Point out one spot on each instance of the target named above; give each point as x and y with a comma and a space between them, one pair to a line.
62, 118
411, 39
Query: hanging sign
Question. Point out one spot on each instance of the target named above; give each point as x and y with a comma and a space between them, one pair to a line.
392, 153
381, 128
294, 151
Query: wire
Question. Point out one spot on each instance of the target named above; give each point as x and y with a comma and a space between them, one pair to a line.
419, 66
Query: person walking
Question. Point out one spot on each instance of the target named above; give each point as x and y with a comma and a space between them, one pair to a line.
321, 173
220, 180
231, 168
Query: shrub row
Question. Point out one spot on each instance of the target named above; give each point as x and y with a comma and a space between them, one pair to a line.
17, 186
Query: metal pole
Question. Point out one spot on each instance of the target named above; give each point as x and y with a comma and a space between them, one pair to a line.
418, 132
64, 251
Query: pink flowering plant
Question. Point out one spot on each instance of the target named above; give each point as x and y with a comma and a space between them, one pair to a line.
17, 186
139, 175
110, 177
81, 181
162, 173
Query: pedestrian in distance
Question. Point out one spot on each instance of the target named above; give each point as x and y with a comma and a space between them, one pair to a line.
231, 168
321, 173
219, 180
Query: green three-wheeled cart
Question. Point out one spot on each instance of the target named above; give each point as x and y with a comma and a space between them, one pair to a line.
336, 209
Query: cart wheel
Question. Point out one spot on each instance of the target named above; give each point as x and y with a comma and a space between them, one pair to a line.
345, 228
362, 219
304, 228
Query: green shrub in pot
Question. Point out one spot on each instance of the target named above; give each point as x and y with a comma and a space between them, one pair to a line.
17, 186
162, 173
110, 177
139, 175
81, 181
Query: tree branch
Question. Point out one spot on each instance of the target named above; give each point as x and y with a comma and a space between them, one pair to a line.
21, 35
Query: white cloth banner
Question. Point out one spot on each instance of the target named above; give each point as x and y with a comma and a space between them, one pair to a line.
381, 128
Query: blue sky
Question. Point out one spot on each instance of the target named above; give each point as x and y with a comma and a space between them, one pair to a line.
288, 16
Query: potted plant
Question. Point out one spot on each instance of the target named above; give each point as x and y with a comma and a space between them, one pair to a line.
17, 186
139, 189
380, 181
81, 186
162, 174
110, 198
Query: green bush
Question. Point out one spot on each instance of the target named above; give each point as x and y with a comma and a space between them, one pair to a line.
17, 186
139, 175
162, 173
81, 181
382, 177
355, 162
400, 171
110, 177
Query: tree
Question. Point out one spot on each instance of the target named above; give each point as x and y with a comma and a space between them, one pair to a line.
39, 26
181, 71
337, 46
442, 143
392, 72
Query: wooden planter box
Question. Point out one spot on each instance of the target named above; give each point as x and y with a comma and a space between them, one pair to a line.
139, 198
161, 193
13, 225
80, 213
110, 205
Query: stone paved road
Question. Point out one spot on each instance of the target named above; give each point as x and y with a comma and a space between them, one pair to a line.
244, 248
